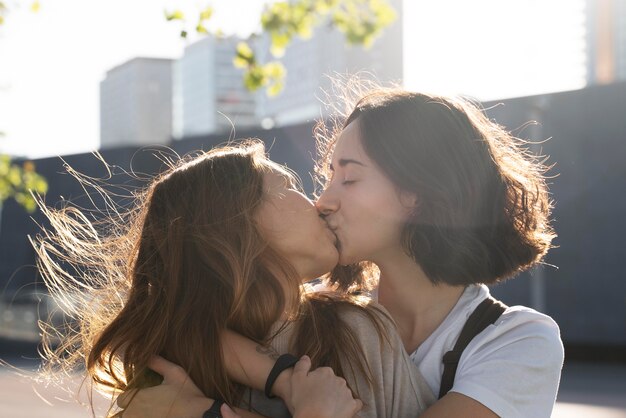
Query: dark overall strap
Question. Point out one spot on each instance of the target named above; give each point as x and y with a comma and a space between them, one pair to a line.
485, 314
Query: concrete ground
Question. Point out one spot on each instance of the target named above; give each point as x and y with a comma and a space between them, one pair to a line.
592, 390
587, 390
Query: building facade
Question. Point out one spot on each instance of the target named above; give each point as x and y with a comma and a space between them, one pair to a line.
606, 41
209, 94
136, 103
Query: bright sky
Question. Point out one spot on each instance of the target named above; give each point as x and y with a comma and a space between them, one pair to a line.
492, 49
51, 63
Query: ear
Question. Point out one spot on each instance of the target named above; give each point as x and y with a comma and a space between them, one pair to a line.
410, 201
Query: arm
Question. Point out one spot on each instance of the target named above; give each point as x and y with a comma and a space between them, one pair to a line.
458, 405
315, 394
176, 396
249, 363
398, 387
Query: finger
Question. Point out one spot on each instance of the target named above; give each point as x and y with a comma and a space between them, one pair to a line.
170, 371
124, 399
325, 371
302, 366
359, 405
227, 412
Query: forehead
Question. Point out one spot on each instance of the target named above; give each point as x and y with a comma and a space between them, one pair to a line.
349, 145
276, 177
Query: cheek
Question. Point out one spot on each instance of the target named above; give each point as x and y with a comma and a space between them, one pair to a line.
369, 206
273, 227
377, 219
293, 230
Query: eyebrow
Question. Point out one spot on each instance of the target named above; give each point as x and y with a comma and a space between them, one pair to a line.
345, 161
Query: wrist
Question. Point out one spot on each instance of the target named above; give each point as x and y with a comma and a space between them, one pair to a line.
282, 386
283, 363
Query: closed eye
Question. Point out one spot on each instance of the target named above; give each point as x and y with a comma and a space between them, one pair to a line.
347, 182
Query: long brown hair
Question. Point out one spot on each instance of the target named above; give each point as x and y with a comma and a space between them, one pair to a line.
170, 275
483, 205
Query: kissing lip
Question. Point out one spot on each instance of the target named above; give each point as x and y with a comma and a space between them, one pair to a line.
331, 226
332, 231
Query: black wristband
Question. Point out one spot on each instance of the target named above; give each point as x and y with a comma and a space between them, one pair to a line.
284, 362
214, 410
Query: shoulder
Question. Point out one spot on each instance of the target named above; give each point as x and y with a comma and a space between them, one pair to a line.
519, 327
366, 316
525, 329
514, 366
373, 327
522, 337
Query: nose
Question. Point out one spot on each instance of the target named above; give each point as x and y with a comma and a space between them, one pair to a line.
327, 203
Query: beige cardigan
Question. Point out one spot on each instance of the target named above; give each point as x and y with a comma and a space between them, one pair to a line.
399, 389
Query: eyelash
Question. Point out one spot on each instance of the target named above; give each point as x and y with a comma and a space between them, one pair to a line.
347, 182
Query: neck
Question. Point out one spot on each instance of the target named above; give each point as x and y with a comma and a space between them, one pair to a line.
417, 305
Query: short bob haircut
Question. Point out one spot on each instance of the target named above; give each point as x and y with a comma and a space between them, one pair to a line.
483, 205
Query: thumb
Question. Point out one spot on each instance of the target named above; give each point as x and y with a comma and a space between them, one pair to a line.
302, 366
359, 405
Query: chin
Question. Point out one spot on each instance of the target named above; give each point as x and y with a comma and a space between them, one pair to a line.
328, 264
345, 260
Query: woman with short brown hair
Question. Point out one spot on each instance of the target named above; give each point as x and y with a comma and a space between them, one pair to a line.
443, 201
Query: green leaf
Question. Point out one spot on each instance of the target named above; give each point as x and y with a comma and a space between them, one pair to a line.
275, 89
361, 21
254, 78
279, 43
5, 164
206, 13
27, 201
175, 15
18, 180
245, 52
239, 62
324, 6
40, 185
15, 176
201, 29
275, 70
383, 11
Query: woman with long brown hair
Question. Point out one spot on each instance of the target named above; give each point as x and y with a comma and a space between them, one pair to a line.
443, 201
215, 249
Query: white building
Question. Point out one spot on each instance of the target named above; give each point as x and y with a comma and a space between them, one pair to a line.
606, 41
309, 62
209, 94
136, 103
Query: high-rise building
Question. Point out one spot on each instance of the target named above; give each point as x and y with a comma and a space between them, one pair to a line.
136, 103
209, 94
606, 41
309, 62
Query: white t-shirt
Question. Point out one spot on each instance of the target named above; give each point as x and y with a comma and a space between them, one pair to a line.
513, 367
